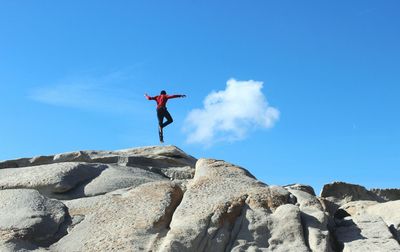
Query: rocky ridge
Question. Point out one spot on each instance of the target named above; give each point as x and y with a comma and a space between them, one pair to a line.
162, 199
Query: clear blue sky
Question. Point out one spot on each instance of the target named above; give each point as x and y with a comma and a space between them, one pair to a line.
73, 75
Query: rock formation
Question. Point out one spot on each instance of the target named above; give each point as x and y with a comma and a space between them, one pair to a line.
161, 199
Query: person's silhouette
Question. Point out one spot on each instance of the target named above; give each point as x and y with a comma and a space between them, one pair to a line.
162, 111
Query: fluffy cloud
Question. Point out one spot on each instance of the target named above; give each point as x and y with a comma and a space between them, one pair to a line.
228, 115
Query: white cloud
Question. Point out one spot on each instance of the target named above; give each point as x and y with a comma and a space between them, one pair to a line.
105, 93
228, 115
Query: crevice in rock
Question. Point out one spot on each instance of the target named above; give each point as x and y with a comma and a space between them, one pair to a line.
223, 225
292, 199
176, 200
163, 225
78, 190
63, 228
236, 228
60, 233
305, 230
340, 214
202, 236
395, 233
333, 241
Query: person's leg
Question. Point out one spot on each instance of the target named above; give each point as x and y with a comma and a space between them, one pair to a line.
169, 118
160, 116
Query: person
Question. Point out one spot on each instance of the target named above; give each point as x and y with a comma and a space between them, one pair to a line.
162, 111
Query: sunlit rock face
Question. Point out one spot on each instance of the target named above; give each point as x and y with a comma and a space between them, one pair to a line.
162, 199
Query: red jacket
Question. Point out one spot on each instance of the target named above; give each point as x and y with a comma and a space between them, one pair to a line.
162, 99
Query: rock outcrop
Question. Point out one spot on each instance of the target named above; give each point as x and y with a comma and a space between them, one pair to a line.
161, 199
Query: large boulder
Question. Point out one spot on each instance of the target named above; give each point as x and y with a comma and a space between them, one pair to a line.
157, 199
337, 194
341, 193
300, 187
51, 179
365, 233
388, 212
225, 208
118, 177
168, 161
134, 220
314, 219
387, 194
153, 157
28, 218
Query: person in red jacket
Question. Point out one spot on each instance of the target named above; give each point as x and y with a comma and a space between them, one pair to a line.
162, 111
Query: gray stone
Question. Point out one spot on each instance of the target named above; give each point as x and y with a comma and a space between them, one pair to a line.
301, 187
185, 172
118, 177
132, 221
345, 192
153, 199
314, 220
153, 156
387, 194
388, 212
337, 194
365, 233
214, 212
51, 179
27, 215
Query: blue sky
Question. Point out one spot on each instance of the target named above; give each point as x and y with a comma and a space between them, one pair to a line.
73, 75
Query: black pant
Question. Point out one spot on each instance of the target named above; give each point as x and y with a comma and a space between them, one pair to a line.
161, 113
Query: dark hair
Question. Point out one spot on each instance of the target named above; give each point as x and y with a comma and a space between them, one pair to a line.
163, 92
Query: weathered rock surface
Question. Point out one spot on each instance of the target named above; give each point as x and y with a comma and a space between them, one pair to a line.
50, 179
387, 212
387, 194
365, 233
337, 194
161, 199
314, 219
132, 221
152, 158
27, 218
216, 203
342, 193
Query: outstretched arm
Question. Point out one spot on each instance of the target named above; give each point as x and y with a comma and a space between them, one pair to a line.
149, 97
176, 96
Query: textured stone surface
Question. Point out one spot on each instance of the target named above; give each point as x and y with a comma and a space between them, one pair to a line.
300, 187
389, 212
132, 221
73, 180
117, 177
50, 179
387, 194
157, 199
337, 194
314, 219
365, 233
342, 193
213, 213
26, 215
150, 157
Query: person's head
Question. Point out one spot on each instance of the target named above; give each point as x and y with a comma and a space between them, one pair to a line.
163, 92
